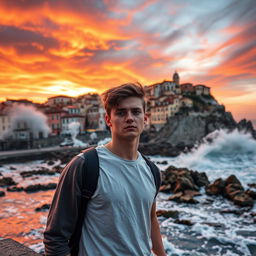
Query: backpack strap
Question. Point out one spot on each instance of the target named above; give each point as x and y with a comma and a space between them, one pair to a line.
90, 175
156, 173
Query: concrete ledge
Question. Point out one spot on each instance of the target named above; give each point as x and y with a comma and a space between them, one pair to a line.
9, 247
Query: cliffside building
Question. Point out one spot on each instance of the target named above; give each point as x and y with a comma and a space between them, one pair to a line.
201, 89
59, 100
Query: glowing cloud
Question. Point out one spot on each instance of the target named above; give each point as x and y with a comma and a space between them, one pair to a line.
74, 47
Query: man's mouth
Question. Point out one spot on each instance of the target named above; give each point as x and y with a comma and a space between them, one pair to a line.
130, 127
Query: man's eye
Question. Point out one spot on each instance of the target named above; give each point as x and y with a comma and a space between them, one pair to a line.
120, 113
136, 112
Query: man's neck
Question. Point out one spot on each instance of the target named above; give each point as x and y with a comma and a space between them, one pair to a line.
126, 149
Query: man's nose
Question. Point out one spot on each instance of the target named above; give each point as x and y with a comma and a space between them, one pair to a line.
129, 117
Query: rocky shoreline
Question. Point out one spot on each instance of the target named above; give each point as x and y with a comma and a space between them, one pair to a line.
182, 184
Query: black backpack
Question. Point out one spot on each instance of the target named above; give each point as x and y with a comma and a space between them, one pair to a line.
90, 180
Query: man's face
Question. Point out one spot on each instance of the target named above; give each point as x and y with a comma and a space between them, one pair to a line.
127, 120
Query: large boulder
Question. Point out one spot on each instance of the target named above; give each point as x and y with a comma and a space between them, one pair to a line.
232, 189
183, 183
7, 181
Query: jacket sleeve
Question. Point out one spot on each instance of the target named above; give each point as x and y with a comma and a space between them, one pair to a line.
64, 209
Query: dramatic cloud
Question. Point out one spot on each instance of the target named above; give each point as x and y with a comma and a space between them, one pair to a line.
73, 47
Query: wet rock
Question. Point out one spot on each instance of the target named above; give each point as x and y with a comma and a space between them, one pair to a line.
253, 214
243, 200
39, 187
12, 168
165, 188
232, 211
42, 171
1, 173
200, 178
184, 183
2, 193
176, 197
184, 222
251, 193
216, 188
7, 181
15, 189
163, 162
50, 162
43, 208
232, 179
252, 185
188, 199
57, 169
180, 197
168, 214
231, 189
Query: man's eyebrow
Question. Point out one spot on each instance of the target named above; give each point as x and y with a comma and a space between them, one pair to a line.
122, 109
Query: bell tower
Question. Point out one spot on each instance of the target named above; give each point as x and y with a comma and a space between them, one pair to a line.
176, 78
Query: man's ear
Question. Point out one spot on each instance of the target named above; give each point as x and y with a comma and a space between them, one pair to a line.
145, 119
108, 121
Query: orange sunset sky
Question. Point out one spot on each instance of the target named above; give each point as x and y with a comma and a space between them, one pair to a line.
74, 47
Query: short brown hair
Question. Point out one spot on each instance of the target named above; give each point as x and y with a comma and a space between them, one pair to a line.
113, 96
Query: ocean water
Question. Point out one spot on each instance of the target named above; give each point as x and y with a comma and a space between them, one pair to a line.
212, 232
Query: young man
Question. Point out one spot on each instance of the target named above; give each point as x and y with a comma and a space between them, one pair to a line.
121, 215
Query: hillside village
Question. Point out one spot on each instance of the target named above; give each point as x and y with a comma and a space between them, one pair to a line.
163, 100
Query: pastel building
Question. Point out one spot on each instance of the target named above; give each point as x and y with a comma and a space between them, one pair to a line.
201, 89
59, 100
5, 123
54, 120
161, 110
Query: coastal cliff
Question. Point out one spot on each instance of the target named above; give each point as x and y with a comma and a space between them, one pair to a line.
187, 129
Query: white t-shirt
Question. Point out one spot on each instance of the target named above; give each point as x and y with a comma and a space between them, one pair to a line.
118, 221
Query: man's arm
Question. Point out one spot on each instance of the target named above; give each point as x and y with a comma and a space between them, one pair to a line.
157, 244
63, 213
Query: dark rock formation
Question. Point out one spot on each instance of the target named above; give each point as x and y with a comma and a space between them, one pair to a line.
184, 183
50, 162
167, 214
38, 187
15, 189
2, 193
57, 169
43, 208
42, 171
162, 162
184, 222
232, 189
7, 181
252, 185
